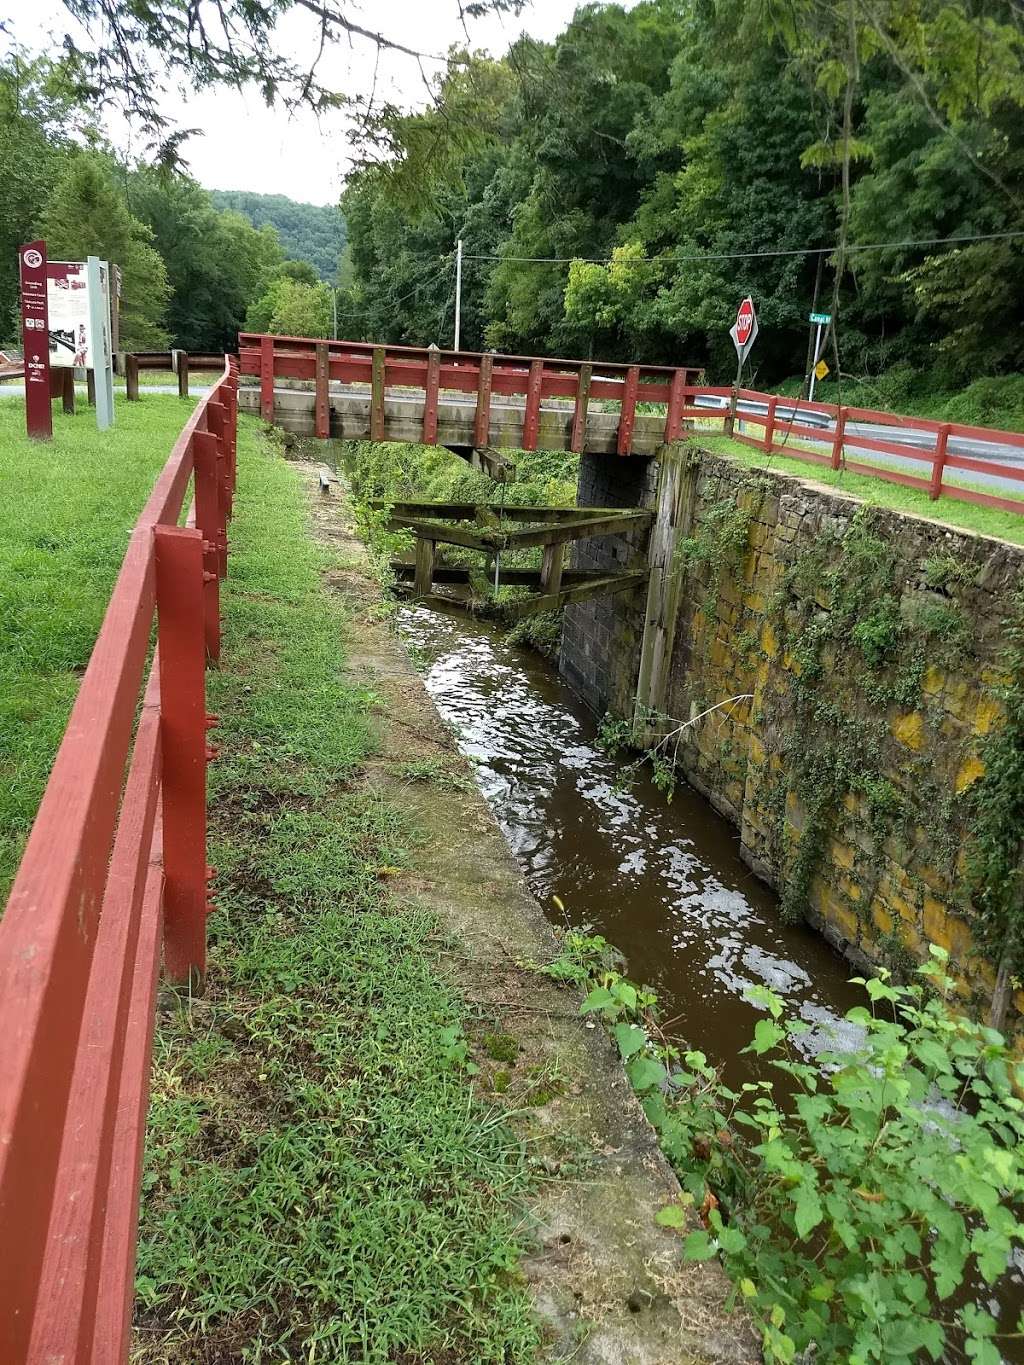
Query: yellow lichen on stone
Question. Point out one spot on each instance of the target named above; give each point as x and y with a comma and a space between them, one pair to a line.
934, 680
987, 713
882, 918
769, 640
969, 771
841, 854
909, 730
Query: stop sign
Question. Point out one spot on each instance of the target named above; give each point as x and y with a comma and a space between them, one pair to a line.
744, 321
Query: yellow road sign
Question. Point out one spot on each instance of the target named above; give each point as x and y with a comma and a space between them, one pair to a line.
821, 369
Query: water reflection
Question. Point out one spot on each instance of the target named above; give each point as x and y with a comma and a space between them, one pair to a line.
664, 882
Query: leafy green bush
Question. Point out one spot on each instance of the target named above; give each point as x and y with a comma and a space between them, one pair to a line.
862, 1211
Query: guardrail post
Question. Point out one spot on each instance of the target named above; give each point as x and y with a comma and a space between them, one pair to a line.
627, 410
482, 420
769, 426
377, 395
730, 416
838, 439
323, 402
267, 378
579, 417
939, 462
183, 374
208, 520
131, 378
181, 653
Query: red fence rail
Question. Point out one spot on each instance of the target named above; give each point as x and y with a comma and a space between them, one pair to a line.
788, 426
434, 371
113, 871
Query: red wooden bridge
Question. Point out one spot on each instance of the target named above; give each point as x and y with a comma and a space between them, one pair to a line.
487, 403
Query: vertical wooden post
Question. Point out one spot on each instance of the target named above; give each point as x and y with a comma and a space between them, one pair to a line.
939, 462
838, 438
377, 395
209, 511
482, 422
551, 568
67, 391
181, 651
183, 374
216, 417
90, 387
673, 417
430, 397
531, 413
730, 417
323, 402
131, 378
627, 414
579, 417
769, 426
425, 551
267, 378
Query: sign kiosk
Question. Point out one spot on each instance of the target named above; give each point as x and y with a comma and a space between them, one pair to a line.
65, 310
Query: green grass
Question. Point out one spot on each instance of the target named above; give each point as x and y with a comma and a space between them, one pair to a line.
988, 521
66, 510
321, 1183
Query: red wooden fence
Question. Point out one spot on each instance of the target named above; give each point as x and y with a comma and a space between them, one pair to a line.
114, 870
784, 426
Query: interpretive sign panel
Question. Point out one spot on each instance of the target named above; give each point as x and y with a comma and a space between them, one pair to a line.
35, 340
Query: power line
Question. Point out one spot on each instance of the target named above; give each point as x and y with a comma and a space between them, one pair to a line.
752, 255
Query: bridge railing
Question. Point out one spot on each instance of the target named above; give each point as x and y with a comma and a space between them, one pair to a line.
434, 372
831, 436
114, 871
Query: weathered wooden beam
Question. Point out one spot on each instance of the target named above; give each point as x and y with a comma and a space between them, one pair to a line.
446, 535
430, 396
377, 395
323, 404
466, 511
425, 554
482, 421
578, 592
457, 574
551, 568
579, 419
581, 529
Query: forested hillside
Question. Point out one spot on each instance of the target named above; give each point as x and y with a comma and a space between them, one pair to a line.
679, 139
308, 232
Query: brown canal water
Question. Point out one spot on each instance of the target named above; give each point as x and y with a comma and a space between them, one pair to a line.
662, 881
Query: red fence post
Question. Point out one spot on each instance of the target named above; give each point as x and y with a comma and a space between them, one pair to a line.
838, 438
216, 416
769, 426
482, 423
939, 462
208, 520
531, 412
323, 403
181, 652
377, 395
673, 417
627, 413
267, 378
579, 417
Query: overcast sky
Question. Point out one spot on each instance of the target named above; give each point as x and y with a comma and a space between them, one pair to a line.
246, 146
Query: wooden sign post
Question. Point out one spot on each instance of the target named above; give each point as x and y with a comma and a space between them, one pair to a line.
35, 332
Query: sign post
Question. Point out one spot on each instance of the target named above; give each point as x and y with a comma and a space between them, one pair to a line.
822, 320
97, 274
744, 333
35, 331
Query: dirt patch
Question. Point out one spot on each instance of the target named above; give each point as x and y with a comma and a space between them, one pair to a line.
609, 1284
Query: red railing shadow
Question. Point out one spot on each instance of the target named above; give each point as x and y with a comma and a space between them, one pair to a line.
114, 871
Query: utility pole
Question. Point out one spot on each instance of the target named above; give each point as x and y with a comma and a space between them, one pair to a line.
334, 305
458, 292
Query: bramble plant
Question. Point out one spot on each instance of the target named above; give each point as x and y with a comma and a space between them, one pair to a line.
851, 1212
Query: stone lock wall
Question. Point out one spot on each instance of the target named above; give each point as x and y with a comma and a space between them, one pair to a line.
864, 649
601, 638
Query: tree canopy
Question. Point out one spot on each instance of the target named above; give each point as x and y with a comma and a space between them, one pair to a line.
619, 190
308, 232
